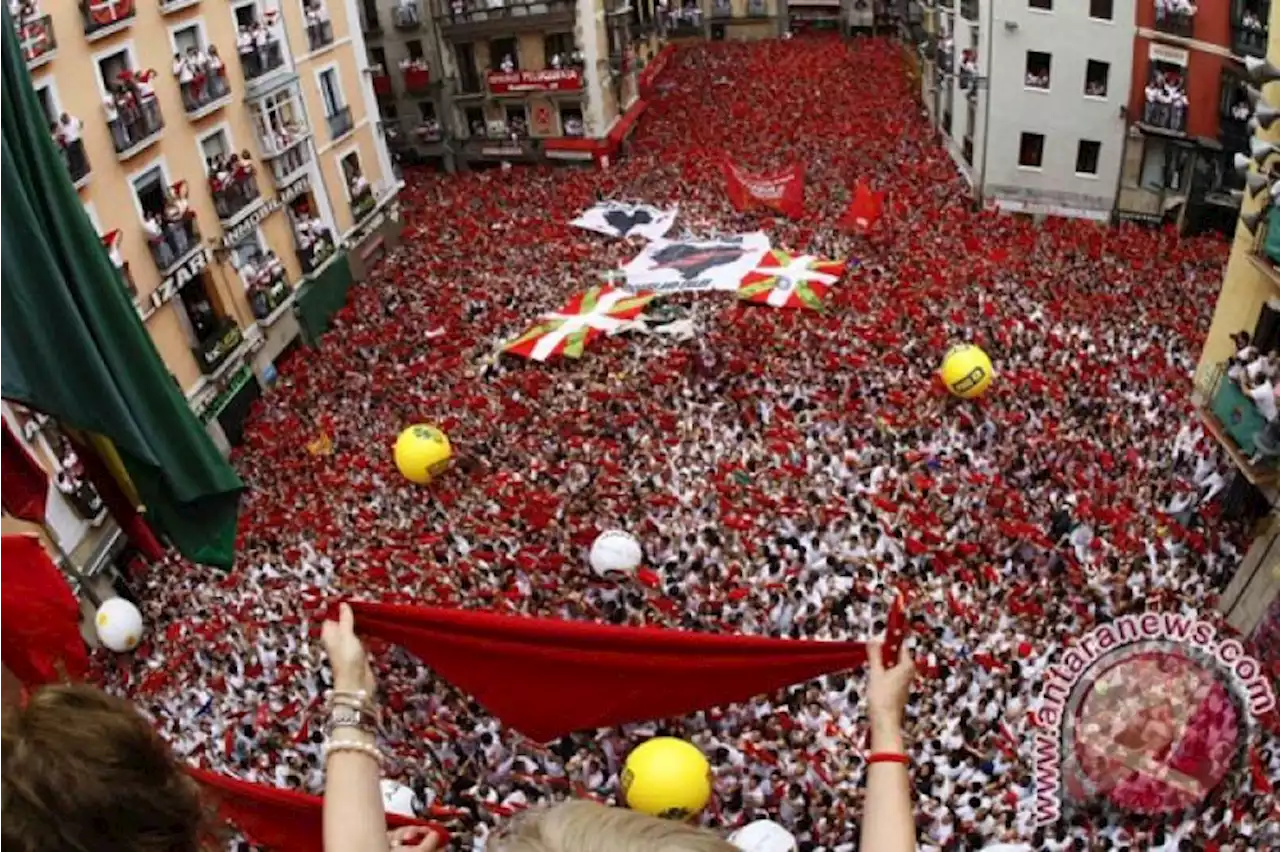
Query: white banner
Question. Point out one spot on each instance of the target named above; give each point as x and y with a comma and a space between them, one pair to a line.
674, 266
623, 219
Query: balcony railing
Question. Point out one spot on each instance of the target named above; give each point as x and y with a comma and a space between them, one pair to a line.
168, 6
258, 62
1165, 116
362, 205
1249, 40
319, 34
1233, 418
416, 79
175, 242
1175, 23
340, 123
289, 163
265, 297
757, 9
134, 127
428, 131
406, 15
381, 82
314, 249
459, 12
721, 9
203, 94
103, 17
35, 35
73, 154
681, 24
235, 195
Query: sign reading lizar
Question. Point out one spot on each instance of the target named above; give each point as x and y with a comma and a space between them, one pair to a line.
245, 228
546, 80
190, 269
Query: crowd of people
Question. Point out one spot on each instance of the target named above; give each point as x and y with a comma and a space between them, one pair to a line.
201, 76
233, 180
788, 473
131, 109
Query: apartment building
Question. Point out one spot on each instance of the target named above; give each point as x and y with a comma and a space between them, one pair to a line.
1188, 109
1029, 94
230, 158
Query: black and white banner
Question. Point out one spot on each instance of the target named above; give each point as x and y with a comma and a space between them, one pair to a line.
623, 219
675, 266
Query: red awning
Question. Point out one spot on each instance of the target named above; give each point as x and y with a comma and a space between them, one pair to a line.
623, 127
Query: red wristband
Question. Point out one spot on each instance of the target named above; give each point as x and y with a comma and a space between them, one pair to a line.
888, 757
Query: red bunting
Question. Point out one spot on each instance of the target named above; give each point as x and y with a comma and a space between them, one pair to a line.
39, 616
589, 675
282, 820
25, 483
865, 209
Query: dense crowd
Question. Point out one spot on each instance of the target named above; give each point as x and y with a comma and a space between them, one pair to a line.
787, 473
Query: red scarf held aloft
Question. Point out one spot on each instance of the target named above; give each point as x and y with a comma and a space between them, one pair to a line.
39, 616
281, 820
546, 678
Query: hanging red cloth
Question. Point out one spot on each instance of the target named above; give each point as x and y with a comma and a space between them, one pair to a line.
39, 616
281, 820
25, 487
865, 209
546, 678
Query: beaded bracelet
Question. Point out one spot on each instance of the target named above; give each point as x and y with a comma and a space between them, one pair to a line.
335, 746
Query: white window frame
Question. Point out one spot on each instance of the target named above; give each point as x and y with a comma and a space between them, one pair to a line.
255, 235
195, 23
1025, 65
1044, 143
51, 84
1097, 163
125, 47
224, 128
166, 181
353, 148
337, 78
259, 110
1086, 80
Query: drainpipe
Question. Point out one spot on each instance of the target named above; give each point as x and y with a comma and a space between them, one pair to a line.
986, 106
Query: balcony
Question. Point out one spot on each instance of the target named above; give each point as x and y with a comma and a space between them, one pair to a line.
721, 10
171, 243
1166, 116
289, 164
319, 34
428, 131
234, 196
35, 35
757, 9
204, 95
1265, 256
406, 15
268, 295
168, 7
417, 76
104, 17
362, 204
217, 346
340, 123
467, 20
1174, 23
134, 128
381, 81
683, 23
76, 160
259, 63
315, 246
1249, 30
1231, 416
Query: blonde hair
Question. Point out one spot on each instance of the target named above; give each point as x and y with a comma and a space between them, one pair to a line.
582, 826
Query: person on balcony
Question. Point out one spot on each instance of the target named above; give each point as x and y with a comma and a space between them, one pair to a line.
160, 246
248, 55
216, 73
126, 108
1245, 354
147, 100
70, 133
177, 215
1250, 21
183, 73
407, 13
508, 64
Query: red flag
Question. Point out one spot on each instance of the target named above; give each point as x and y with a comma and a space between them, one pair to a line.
782, 191
895, 631
592, 675
281, 820
39, 616
865, 209
1261, 783
25, 483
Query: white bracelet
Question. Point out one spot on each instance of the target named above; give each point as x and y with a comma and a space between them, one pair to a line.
335, 746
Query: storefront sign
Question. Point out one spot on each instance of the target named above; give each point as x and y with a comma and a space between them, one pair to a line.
502, 151
1165, 53
242, 230
190, 269
547, 80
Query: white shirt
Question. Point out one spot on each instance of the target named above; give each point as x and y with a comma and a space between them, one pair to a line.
1264, 396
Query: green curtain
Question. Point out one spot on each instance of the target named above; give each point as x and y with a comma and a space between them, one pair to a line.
322, 297
1272, 243
72, 344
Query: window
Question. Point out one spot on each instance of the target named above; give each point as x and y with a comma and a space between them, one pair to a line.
415, 48
370, 10
469, 79
1039, 65
378, 59
389, 111
246, 15
330, 92
504, 54
277, 118
47, 104
517, 118
1096, 74
1042, 5
187, 39
215, 145
475, 121
1031, 150
1087, 157
558, 49
1101, 10
110, 68
427, 110
149, 187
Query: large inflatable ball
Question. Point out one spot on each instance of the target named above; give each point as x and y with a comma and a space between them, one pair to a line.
764, 835
615, 551
422, 453
667, 778
966, 371
119, 625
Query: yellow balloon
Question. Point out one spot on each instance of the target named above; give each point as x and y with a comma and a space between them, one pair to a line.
667, 778
966, 370
422, 452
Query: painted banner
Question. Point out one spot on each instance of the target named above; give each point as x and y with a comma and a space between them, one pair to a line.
600, 310
546, 80
783, 280
782, 191
675, 266
624, 219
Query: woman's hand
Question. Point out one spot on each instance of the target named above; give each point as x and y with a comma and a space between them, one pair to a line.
413, 838
347, 657
887, 693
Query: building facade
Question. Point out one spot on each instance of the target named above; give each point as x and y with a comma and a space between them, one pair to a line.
1028, 96
1188, 109
228, 155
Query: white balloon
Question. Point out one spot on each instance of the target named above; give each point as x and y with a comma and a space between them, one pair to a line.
398, 799
615, 551
764, 835
119, 625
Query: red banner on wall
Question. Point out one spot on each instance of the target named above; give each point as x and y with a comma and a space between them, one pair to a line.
546, 80
782, 191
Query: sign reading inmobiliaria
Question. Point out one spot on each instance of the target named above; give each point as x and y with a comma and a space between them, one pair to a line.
1153, 714
546, 80
782, 191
